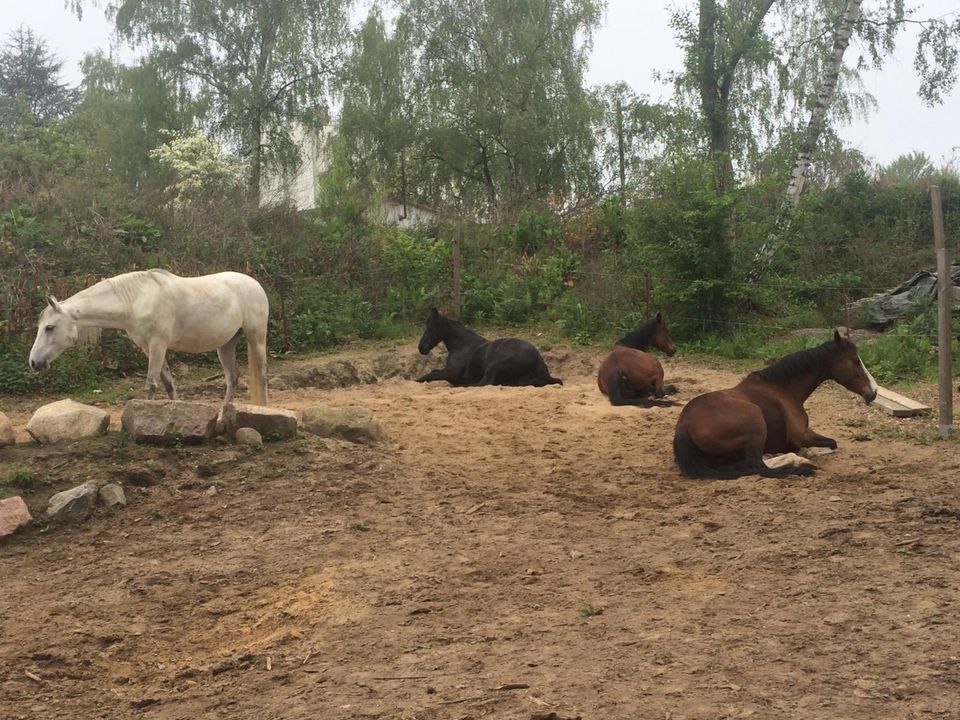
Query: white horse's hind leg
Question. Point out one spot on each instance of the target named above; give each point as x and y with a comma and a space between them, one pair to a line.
166, 377
257, 360
228, 358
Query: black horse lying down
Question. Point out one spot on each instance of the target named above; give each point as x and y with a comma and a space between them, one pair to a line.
474, 360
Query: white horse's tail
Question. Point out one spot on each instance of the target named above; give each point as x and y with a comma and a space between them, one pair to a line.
257, 368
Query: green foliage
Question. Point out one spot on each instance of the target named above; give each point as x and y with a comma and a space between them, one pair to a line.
534, 231
909, 352
497, 100
19, 479
575, 319
418, 272
255, 69
327, 316
77, 369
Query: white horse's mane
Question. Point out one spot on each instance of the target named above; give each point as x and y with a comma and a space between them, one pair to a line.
128, 285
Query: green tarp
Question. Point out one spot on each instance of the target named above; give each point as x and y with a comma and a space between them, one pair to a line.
907, 299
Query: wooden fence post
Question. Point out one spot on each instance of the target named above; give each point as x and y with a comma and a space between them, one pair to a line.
944, 312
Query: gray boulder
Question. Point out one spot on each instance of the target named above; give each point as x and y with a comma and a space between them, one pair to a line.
249, 437
271, 423
66, 420
353, 423
112, 495
166, 422
7, 434
73, 505
13, 514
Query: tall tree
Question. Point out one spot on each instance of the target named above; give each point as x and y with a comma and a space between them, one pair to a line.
630, 132
258, 65
824, 99
500, 88
750, 64
128, 111
377, 119
30, 79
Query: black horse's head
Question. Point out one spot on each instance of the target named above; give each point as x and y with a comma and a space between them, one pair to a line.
434, 333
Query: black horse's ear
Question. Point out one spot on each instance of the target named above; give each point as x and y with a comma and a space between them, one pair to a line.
659, 317
434, 312
836, 336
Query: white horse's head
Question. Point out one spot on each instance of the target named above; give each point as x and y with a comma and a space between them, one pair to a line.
57, 332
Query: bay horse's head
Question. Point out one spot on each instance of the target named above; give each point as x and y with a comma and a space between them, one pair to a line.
652, 333
661, 336
847, 369
434, 333
57, 331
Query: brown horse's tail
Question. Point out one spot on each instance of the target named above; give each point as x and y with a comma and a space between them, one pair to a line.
696, 464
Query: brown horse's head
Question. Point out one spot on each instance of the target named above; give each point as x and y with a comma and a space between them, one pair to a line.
652, 333
848, 369
661, 336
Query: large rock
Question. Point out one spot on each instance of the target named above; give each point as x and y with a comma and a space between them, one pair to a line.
112, 494
249, 437
271, 423
167, 422
13, 514
73, 505
7, 434
67, 420
353, 423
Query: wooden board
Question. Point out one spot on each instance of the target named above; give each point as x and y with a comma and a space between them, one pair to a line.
898, 405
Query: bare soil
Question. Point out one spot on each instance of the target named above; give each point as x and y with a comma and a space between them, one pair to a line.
507, 553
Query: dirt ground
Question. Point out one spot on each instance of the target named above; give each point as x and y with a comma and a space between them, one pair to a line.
506, 553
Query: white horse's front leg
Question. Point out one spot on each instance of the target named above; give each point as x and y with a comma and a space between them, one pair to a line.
156, 359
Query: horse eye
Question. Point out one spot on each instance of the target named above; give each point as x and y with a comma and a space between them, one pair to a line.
50, 328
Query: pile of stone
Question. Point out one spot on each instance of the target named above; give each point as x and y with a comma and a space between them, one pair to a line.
168, 423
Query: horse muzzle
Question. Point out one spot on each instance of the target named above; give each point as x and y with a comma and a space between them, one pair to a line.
869, 396
39, 365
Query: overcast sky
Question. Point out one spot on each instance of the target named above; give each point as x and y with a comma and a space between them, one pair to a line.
634, 41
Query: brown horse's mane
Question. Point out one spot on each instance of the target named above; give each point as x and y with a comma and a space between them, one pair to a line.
640, 337
797, 363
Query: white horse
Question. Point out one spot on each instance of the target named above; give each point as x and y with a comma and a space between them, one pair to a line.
161, 311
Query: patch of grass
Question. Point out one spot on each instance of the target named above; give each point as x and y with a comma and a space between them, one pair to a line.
360, 526
20, 479
591, 611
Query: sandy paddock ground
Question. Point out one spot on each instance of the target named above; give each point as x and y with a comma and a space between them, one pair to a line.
506, 553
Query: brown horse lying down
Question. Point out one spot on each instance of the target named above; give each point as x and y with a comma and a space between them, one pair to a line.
630, 375
724, 434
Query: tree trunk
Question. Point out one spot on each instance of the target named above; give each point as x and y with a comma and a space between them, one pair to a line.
270, 18
621, 153
256, 157
712, 100
825, 96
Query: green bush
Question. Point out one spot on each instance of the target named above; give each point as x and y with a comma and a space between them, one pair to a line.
76, 369
534, 231
575, 319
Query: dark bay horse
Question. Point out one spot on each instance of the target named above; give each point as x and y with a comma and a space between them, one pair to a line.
630, 375
724, 434
474, 360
